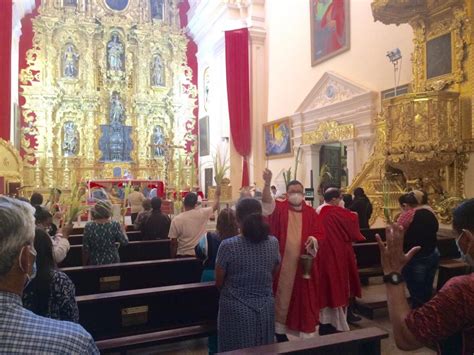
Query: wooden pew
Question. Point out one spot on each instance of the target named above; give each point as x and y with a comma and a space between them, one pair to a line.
134, 251
134, 275
133, 236
156, 315
368, 260
357, 342
449, 264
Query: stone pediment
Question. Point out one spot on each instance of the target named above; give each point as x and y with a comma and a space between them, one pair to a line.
331, 89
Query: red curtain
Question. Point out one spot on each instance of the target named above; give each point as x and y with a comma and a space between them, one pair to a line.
6, 7
238, 94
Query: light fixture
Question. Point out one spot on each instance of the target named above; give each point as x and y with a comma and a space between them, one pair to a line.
395, 57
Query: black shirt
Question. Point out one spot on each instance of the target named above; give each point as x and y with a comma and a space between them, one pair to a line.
156, 226
363, 207
422, 232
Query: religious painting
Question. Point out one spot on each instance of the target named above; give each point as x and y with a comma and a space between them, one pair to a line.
438, 56
157, 9
204, 137
117, 5
330, 29
277, 135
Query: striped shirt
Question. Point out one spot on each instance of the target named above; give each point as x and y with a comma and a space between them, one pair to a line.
23, 332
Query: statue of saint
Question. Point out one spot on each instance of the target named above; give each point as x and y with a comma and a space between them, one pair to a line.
157, 73
70, 139
70, 62
115, 54
117, 111
158, 141
156, 7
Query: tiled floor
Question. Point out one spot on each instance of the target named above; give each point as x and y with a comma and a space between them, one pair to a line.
374, 292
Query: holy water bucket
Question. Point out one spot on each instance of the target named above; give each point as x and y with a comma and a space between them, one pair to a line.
307, 264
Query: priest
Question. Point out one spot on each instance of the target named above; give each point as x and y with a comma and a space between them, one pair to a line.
337, 267
293, 223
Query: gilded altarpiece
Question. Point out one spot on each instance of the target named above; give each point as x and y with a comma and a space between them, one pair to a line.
107, 85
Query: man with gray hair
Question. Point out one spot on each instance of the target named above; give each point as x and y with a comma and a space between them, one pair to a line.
22, 331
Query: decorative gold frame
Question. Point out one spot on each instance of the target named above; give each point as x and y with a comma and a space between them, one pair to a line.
454, 21
346, 47
283, 155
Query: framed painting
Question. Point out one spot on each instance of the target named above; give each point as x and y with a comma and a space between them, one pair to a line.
204, 143
277, 138
330, 29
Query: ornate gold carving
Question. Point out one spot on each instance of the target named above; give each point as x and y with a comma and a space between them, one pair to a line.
81, 95
329, 131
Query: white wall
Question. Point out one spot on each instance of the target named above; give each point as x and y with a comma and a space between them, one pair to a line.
291, 76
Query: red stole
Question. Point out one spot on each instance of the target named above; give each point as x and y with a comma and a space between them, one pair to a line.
337, 264
303, 311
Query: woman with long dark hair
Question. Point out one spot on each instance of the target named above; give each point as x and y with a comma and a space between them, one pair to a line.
206, 250
51, 293
245, 266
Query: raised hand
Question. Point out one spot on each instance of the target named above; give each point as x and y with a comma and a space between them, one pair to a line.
267, 176
391, 253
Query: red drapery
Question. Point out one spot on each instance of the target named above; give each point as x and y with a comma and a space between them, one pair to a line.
238, 94
6, 7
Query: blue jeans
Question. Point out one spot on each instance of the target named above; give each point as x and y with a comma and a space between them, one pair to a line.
419, 275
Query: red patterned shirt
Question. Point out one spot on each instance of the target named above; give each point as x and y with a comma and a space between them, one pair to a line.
449, 312
405, 218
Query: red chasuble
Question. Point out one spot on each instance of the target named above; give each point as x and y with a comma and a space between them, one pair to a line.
303, 311
338, 274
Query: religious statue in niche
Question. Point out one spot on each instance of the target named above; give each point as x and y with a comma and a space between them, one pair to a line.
157, 72
157, 9
115, 54
158, 141
70, 61
117, 111
72, 3
70, 139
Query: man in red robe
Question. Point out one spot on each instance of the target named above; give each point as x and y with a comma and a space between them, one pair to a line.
338, 274
293, 223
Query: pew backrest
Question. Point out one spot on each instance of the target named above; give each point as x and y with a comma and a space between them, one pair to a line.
76, 239
134, 275
123, 313
362, 341
134, 251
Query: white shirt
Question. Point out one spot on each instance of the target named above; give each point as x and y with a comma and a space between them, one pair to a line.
61, 247
188, 227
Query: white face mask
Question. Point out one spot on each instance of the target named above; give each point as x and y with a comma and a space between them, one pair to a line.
341, 203
31, 276
296, 198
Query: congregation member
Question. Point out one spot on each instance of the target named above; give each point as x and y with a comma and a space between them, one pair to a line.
155, 225
36, 199
347, 198
446, 322
189, 226
338, 274
101, 235
136, 198
361, 204
422, 231
245, 267
23, 331
143, 215
206, 250
51, 293
293, 223
60, 240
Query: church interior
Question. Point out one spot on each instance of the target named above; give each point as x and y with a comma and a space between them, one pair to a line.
104, 99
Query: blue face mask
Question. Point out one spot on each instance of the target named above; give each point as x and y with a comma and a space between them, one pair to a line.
464, 257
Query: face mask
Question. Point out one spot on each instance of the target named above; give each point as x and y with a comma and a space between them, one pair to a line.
342, 204
464, 257
29, 277
295, 198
